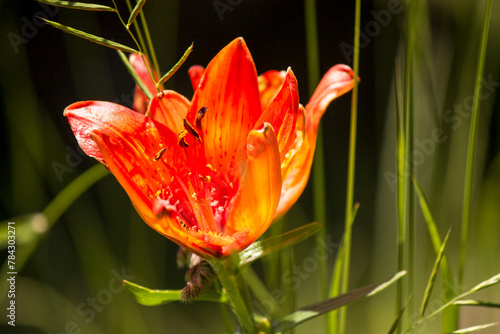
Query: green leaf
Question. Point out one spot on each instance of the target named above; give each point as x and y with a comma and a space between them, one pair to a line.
397, 321
312, 311
150, 297
261, 248
137, 9
176, 66
472, 302
432, 278
474, 328
90, 37
134, 74
78, 5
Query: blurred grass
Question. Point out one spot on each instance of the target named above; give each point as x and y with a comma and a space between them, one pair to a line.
101, 231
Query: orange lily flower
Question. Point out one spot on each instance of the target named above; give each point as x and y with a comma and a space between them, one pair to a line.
212, 173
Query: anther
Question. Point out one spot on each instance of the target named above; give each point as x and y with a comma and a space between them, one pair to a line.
192, 131
199, 116
181, 138
159, 154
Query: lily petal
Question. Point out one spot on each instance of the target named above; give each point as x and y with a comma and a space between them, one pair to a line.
337, 81
270, 84
297, 167
169, 108
229, 89
282, 112
259, 192
86, 116
140, 99
195, 73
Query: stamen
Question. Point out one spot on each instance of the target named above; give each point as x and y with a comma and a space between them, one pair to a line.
199, 116
181, 138
159, 154
206, 179
192, 131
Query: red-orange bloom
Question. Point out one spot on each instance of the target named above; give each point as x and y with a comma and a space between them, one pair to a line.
212, 173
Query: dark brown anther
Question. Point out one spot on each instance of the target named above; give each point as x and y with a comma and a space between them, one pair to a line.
192, 131
206, 179
159, 154
181, 138
199, 116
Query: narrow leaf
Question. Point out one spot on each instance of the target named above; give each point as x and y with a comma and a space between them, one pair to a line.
176, 66
79, 5
432, 278
483, 285
150, 297
90, 37
312, 311
267, 246
134, 74
471, 302
137, 9
474, 328
397, 322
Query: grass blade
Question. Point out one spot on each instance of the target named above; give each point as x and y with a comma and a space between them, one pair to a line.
312, 311
471, 150
134, 74
176, 66
432, 278
78, 5
474, 328
137, 9
93, 38
472, 302
483, 285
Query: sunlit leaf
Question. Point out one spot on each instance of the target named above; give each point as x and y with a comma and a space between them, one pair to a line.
151, 297
137, 9
312, 311
472, 302
474, 328
267, 246
92, 38
78, 5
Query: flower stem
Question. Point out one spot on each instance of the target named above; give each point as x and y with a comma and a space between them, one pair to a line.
232, 284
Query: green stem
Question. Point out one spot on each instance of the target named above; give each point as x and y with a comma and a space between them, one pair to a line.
349, 208
231, 283
318, 168
472, 143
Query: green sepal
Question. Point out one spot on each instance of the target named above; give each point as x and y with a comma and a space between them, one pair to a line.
151, 297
